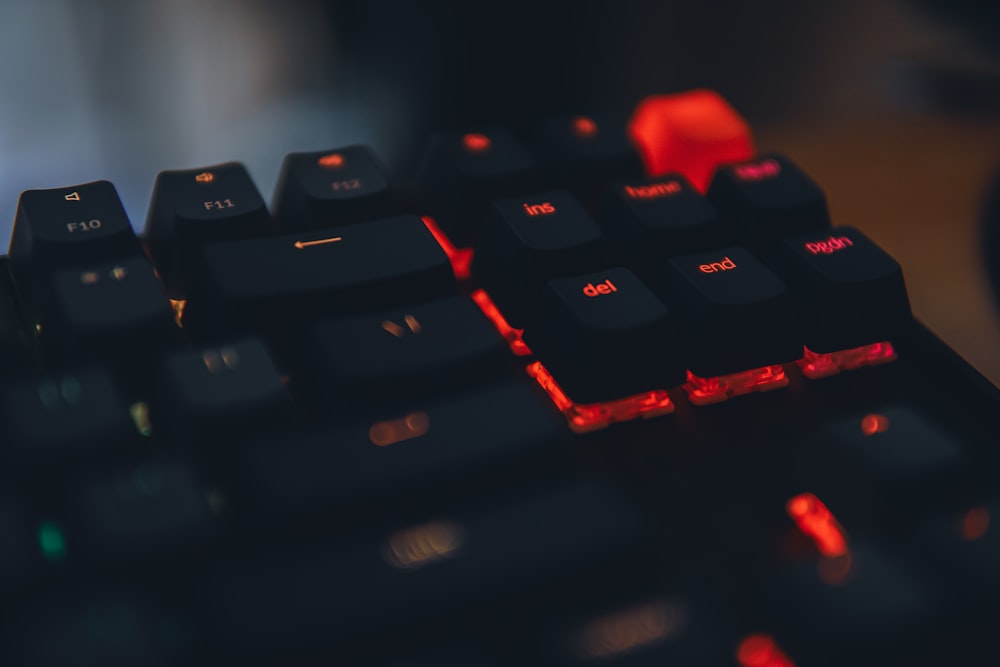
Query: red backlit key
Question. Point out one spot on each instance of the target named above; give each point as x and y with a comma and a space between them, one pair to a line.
691, 133
768, 197
463, 174
585, 152
660, 217
192, 207
529, 240
404, 352
604, 336
849, 291
332, 188
65, 227
735, 314
274, 285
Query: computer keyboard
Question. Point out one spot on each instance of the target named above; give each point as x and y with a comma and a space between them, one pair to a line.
616, 393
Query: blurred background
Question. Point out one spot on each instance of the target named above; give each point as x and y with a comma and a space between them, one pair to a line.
893, 106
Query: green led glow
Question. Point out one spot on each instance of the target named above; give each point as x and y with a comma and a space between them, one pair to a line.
51, 541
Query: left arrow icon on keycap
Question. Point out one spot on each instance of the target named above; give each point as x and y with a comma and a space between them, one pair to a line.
73, 196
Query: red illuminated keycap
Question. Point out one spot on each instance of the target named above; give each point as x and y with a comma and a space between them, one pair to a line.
529, 240
332, 188
735, 314
849, 291
767, 197
604, 336
691, 133
463, 174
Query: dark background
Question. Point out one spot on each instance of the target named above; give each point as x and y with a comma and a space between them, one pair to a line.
893, 106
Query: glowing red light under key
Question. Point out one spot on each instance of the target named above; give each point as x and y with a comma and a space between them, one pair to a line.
511, 335
815, 365
705, 391
459, 258
583, 418
818, 523
761, 651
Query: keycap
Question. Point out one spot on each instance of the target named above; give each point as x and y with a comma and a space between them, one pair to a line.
156, 510
20, 559
734, 313
958, 551
529, 240
846, 608
417, 350
768, 197
318, 598
65, 420
682, 629
886, 467
277, 283
660, 217
432, 447
585, 152
116, 627
215, 394
461, 175
332, 188
111, 310
849, 291
605, 336
691, 133
69, 226
192, 207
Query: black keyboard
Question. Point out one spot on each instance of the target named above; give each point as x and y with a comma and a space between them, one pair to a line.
614, 393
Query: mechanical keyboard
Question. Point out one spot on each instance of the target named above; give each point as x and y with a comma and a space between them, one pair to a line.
615, 393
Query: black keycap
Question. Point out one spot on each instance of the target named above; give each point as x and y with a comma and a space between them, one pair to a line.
192, 207
735, 314
660, 217
156, 510
676, 629
106, 629
65, 420
332, 188
849, 291
112, 310
66, 227
405, 352
419, 453
605, 336
768, 197
273, 284
20, 556
584, 152
959, 552
846, 608
307, 600
529, 240
216, 394
463, 174
884, 468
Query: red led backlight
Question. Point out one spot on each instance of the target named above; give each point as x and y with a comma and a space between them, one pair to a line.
510, 334
815, 366
595, 416
705, 391
476, 143
761, 651
331, 161
584, 127
691, 133
460, 258
818, 523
